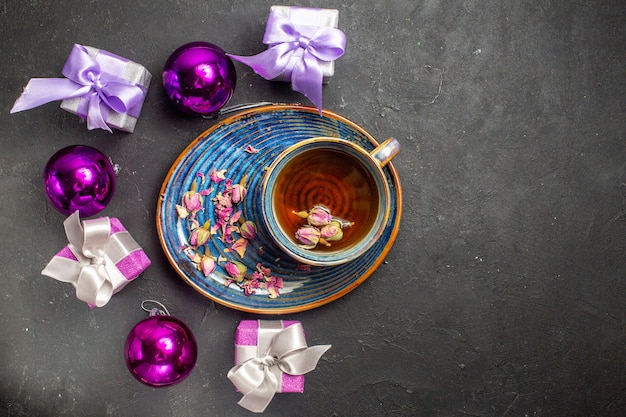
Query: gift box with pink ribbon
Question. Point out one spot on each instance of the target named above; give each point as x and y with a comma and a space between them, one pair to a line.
271, 356
106, 89
303, 44
100, 259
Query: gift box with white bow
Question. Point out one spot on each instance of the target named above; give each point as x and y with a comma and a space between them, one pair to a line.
100, 259
271, 356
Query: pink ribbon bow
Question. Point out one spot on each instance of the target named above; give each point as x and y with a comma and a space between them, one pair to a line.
85, 78
325, 44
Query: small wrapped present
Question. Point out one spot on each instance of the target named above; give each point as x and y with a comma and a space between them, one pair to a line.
271, 356
303, 44
106, 89
306, 21
100, 259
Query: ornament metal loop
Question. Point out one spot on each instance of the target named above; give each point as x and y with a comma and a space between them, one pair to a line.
155, 311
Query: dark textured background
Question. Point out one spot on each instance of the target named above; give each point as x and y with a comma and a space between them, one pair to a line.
504, 292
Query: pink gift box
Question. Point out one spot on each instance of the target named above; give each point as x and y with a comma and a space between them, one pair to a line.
252, 339
131, 266
121, 249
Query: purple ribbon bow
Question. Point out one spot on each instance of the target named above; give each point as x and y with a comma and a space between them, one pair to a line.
87, 79
284, 39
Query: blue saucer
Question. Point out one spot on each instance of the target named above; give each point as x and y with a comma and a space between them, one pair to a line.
268, 130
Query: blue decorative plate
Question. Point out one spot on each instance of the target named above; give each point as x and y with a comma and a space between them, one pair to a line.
244, 145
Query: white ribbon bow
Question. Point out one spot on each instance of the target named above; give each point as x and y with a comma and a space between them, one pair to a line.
288, 351
93, 274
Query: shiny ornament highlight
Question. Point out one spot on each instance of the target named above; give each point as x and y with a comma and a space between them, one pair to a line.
79, 178
160, 350
199, 78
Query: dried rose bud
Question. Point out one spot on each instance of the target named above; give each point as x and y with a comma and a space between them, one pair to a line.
199, 236
207, 265
308, 236
248, 230
192, 200
235, 270
319, 216
331, 232
238, 192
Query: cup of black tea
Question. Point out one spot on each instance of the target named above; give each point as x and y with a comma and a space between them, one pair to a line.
325, 201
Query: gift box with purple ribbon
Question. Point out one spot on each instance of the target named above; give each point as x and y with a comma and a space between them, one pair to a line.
271, 356
303, 44
100, 259
106, 89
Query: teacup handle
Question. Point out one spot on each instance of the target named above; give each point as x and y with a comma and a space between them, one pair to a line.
385, 152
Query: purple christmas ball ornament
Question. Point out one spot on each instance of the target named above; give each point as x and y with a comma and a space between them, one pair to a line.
160, 350
199, 78
79, 178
